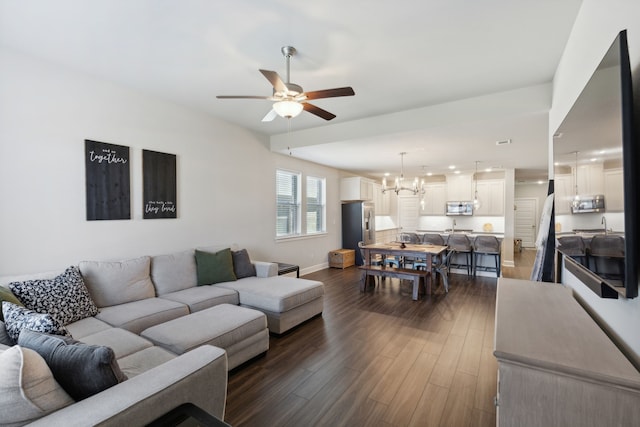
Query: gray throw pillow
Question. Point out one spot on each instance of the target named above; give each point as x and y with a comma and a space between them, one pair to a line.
242, 265
17, 318
4, 337
65, 297
81, 369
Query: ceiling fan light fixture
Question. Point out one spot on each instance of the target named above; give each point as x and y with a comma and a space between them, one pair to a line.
288, 109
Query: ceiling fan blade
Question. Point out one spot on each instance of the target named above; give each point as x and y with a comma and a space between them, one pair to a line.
270, 116
330, 93
310, 108
241, 97
275, 80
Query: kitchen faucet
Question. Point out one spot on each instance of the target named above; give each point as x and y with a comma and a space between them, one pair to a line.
453, 227
604, 221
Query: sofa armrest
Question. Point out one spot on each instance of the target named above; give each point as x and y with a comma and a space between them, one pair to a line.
266, 269
198, 376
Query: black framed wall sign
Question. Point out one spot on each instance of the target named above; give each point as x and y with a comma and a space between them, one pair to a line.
159, 185
107, 176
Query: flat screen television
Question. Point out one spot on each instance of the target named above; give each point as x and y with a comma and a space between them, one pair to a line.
599, 135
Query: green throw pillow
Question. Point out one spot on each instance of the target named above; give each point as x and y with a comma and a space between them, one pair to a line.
7, 295
215, 267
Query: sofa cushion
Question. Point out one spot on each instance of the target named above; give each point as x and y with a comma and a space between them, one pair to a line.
82, 370
87, 326
123, 343
204, 296
7, 295
139, 315
174, 272
28, 390
65, 297
277, 294
214, 267
118, 282
242, 266
18, 318
143, 360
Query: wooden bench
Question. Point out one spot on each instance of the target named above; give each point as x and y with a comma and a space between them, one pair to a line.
398, 273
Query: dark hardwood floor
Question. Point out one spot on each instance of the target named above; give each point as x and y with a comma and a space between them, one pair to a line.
377, 359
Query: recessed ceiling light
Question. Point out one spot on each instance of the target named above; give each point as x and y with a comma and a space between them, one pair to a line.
456, 171
504, 142
387, 174
488, 170
593, 159
540, 182
452, 167
430, 174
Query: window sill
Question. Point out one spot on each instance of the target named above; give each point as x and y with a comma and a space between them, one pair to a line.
300, 237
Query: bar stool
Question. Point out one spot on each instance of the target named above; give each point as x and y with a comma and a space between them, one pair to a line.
486, 245
607, 253
432, 239
574, 247
462, 245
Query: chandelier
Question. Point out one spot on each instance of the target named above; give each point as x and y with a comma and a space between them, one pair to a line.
399, 182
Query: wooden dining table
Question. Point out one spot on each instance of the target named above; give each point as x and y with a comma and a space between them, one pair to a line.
424, 253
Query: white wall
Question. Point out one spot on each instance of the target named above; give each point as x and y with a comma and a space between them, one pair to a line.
226, 175
595, 28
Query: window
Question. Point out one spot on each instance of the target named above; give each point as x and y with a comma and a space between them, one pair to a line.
316, 205
288, 203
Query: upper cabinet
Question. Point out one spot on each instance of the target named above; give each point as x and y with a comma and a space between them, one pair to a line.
491, 196
356, 188
613, 190
459, 187
434, 200
590, 179
564, 193
381, 201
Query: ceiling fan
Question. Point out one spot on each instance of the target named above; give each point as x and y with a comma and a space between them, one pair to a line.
289, 97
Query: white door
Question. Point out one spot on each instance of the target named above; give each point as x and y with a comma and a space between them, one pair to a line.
408, 207
526, 220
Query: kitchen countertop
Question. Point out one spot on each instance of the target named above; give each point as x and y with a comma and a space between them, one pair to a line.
469, 233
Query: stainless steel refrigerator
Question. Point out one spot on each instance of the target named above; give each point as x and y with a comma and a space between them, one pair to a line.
358, 225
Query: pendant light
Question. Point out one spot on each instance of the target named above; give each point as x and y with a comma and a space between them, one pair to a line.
476, 201
576, 198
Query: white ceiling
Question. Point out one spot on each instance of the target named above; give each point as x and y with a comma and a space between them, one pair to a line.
398, 57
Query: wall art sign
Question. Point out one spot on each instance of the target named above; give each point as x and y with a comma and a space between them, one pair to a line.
159, 185
107, 181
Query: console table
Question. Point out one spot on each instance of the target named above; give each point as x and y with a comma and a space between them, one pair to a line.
556, 367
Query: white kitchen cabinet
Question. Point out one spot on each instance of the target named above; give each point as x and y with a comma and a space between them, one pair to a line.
356, 188
590, 179
459, 187
381, 201
564, 193
435, 198
613, 190
491, 195
556, 367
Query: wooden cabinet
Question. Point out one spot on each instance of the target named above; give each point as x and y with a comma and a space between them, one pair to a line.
613, 190
590, 179
356, 188
556, 367
491, 195
564, 193
459, 187
434, 199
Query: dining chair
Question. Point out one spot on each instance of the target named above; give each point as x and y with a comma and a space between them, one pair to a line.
375, 260
442, 268
483, 246
412, 238
574, 247
461, 244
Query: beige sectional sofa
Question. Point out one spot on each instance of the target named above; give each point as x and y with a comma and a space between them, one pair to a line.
173, 338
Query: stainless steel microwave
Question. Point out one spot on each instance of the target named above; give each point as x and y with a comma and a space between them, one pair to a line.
459, 208
586, 204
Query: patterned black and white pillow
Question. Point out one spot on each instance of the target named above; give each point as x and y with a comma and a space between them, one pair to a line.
17, 318
65, 297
